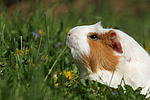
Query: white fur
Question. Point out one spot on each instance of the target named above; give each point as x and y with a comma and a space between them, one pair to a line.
134, 64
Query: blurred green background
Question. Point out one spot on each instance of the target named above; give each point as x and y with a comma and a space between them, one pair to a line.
113, 13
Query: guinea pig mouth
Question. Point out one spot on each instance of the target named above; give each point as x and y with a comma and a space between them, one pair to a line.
70, 51
67, 42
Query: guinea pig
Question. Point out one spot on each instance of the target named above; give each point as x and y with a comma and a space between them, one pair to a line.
108, 55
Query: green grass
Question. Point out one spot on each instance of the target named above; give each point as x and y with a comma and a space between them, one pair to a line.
29, 75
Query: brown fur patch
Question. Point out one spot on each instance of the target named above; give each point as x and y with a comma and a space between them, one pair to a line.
101, 54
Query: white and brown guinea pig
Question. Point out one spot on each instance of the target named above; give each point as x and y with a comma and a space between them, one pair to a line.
107, 55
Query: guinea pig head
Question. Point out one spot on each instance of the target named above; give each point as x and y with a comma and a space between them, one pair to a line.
93, 48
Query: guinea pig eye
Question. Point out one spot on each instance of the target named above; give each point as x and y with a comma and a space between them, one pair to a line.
93, 36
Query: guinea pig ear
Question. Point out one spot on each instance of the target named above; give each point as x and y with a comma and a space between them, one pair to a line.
115, 44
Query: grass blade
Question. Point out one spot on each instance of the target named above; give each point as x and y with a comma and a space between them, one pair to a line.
54, 63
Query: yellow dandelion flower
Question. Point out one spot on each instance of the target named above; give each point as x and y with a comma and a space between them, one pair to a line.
29, 61
26, 50
66, 92
67, 30
18, 51
68, 85
34, 65
46, 58
69, 74
40, 31
55, 79
56, 84
60, 73
75, 81
3, 63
